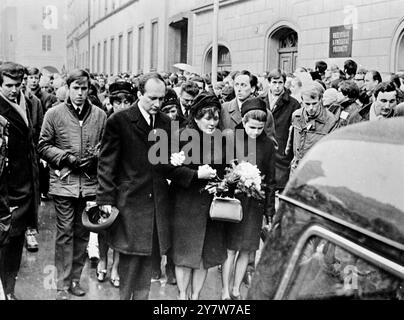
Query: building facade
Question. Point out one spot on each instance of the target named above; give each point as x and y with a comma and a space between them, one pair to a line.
151, 35
32, 33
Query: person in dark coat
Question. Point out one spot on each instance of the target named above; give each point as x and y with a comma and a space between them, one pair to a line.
346, 105
121, 97
189, 91
282, 106
198, 242
244, 237
22, 172
128, 180
33, 86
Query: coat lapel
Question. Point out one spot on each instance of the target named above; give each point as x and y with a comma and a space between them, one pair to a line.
7, 111
235, 113
139, 123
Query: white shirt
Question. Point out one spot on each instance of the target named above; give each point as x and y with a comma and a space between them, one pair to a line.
146, 115
273, 100
240, 104
77, 108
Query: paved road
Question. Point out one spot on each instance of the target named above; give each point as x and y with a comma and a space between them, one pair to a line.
37, 282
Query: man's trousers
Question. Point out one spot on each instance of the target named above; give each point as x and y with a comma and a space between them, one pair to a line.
71, 240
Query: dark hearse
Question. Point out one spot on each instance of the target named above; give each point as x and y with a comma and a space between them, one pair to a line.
339, 230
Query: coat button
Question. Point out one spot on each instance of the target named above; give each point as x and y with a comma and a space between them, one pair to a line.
150, 196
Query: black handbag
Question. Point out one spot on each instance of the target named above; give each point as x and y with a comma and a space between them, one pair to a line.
226, 209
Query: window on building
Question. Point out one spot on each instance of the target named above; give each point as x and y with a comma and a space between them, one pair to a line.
120, 53
104, 66
112, 57
99, 57
140, 57
130, 52
46, 43
93, 59
154, 46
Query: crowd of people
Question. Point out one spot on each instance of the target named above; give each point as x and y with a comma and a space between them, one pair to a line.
85, 137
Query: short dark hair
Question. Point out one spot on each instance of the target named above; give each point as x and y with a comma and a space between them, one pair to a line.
276, 74
384, 87
253, 79
11, 70
32, 71
149, 76
396, 80
76, 75
190, 87
121, 96
349, 89
350, 67
321, 66
376, 75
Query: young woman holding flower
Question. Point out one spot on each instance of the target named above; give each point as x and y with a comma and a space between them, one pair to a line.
244, 237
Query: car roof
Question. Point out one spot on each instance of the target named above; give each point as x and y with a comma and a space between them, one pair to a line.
382, 131
355, 177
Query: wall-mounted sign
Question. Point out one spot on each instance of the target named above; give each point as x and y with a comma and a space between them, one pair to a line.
50, 17
341, 41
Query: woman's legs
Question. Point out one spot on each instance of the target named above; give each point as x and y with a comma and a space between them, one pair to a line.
183, 275
227, 269
103, 249
240, 269
198, 280
115, 263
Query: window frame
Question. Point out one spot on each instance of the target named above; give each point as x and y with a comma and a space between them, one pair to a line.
353, 248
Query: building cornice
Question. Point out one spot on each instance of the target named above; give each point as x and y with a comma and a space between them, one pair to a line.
209, 7
124, 6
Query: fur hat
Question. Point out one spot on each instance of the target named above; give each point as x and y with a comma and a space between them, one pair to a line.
253, 104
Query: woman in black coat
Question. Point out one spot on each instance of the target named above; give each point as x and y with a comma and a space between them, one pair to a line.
244, 237
198, 242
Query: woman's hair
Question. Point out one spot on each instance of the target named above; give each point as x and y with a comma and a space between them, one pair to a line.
209, 110
258, 115
120, 97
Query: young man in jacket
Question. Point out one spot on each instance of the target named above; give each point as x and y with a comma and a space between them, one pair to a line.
69, 139
22, 172
309, 124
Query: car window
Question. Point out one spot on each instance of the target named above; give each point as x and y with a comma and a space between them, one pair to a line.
325, 270
359, 181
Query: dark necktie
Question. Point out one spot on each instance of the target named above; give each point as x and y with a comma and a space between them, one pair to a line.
151, 122
186, 113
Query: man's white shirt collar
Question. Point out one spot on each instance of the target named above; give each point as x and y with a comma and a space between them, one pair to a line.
145, 114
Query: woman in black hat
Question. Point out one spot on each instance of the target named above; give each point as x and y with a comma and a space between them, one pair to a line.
244, 237
198, 242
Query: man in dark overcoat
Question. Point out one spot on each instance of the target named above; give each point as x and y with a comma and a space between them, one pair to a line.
128, 180
282, 106
22, 172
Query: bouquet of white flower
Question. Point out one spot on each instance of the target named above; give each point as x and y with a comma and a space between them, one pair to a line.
242, 177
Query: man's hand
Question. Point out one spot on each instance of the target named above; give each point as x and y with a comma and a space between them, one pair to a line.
206, 172
70, 161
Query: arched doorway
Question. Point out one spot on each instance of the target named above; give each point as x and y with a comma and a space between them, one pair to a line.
224, 60
397, 48
282, 49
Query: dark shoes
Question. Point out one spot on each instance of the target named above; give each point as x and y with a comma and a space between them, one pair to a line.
30, 240
11, 296
63, 295
76, 290
171, 280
